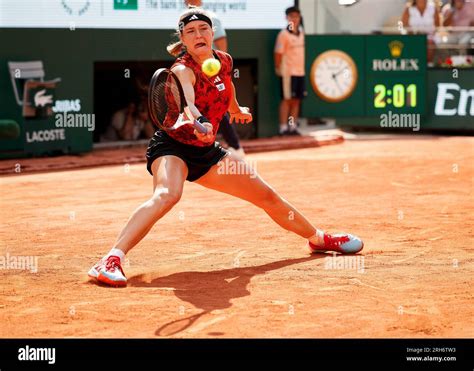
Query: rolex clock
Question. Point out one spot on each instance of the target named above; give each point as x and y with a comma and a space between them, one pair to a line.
334, 76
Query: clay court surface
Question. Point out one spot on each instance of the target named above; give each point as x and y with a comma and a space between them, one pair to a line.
218, 267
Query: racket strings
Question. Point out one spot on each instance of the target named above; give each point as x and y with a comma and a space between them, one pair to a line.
166, 101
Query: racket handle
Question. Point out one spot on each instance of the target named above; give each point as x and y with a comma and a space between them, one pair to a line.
200, 127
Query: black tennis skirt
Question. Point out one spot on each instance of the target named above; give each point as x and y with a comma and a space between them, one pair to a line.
198, 159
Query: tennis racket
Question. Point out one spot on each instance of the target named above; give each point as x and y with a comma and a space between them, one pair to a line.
167, 104
174, 327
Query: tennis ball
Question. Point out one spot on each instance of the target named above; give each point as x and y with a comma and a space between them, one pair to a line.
211, 67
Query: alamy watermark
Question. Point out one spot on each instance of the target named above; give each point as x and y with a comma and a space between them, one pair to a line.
37, 354
13, 262
237, 168
339, 262
75, 120
400, 120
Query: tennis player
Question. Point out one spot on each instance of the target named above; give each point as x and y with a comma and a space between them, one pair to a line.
185, 154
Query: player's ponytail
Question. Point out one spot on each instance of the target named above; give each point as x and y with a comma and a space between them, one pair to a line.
176, 49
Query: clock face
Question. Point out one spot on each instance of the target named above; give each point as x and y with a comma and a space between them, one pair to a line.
334, 76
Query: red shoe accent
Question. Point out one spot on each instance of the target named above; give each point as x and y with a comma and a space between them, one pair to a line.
331, 243
109, 269
113, 262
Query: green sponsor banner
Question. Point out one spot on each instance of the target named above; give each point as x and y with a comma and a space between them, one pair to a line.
451, 99
396, 74
450, 103
126, 4
365, 75
42, 136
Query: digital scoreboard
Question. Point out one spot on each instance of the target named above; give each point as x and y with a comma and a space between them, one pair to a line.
365, 75
396, 74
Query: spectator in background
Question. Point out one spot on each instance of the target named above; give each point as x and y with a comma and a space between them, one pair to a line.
289, 65
220, 43
422, 16
458, 13
130, 123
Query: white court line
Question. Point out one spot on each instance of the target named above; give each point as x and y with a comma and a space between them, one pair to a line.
413, 256
396, 184
429, 230
240, 254
355, 281
191, 256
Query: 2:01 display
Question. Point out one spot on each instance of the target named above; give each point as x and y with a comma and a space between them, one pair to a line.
398, 96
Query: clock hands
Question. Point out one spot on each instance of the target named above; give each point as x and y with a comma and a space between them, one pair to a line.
337, 84
326, 71
334, 77
338, 73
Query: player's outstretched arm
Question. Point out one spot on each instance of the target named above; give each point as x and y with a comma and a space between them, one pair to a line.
187, 79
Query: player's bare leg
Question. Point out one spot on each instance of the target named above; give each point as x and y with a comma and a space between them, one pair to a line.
249, 186
169, 174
